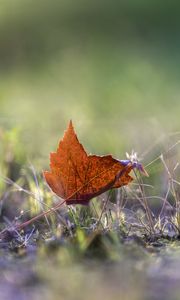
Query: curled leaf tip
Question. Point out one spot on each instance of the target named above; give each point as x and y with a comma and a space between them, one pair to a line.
135, 165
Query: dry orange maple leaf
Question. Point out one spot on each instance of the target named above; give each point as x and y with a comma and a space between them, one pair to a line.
78, 177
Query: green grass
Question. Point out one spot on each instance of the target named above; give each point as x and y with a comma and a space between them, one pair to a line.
151, 211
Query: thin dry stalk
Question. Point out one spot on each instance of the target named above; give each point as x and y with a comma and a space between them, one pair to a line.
146, 206
173, 190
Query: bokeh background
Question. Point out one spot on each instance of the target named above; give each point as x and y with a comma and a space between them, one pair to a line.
113, 67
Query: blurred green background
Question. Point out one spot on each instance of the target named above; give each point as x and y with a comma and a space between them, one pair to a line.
113, 67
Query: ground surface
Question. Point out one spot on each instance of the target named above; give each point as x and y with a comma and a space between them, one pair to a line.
139, 273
